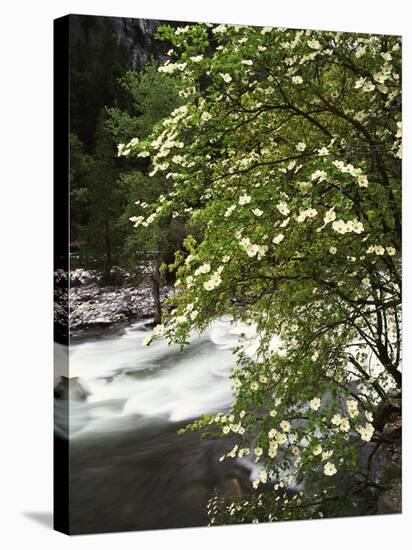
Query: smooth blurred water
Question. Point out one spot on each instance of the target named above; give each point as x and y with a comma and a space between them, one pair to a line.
124, 377
129, 469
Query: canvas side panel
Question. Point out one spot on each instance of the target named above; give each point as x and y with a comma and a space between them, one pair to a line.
61, 269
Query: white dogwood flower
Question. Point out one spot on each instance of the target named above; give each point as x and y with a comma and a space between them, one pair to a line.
283, 208
317, 450
368, 87
336, 419
329, 469
315, 403
226, 77
244, 199
329, 216
344, 425
257, 212
319, 175
278, 238
363, 181
339, 226
314, 44
285, 425
229, 210
366, 432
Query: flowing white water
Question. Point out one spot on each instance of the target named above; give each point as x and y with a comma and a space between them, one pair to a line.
125, 377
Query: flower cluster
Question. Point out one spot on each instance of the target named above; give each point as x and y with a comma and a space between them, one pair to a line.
253, 249
366, 432
380, 250
214, 281
350, 226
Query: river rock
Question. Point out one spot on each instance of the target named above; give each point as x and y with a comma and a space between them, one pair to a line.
94, 307
79, 277
391, 501
71, 388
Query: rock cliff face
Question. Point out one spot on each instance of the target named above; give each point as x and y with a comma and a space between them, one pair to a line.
102, 49
136, 35
133, 36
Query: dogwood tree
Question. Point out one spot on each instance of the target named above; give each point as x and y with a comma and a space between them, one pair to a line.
287, 152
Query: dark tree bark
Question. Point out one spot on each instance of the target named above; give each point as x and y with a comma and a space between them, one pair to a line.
108, 246
155, 277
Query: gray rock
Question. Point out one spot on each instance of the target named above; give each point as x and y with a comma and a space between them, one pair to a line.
93, 306
391, 501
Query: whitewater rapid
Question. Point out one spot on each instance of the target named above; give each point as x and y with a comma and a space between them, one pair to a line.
125, 378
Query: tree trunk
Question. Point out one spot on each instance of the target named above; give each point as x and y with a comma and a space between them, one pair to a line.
108, 246
156, 293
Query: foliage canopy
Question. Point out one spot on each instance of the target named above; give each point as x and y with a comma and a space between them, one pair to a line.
286, 151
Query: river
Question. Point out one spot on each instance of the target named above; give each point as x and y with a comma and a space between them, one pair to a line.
129, 469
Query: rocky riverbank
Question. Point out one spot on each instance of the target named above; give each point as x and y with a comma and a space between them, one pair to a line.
99, 310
